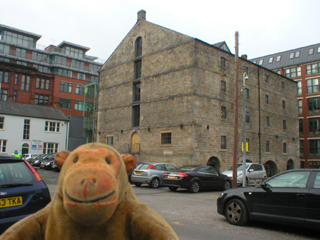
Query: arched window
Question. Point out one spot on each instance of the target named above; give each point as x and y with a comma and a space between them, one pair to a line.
138, 47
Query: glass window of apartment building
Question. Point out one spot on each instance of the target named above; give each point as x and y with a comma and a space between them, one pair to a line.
26, 129
74, 52
301, 148
78, 105
3, 94
314, 148
18, 39
40, 57
52, 126
25, 83
79, 89
82, 76
300, 106
223, 62
4, 77
65, 103
49, 147
66, 87
77, 64
313, 85
293, 72
313, 105
314, 126
21, 52
60, 60
313, 68
4, 48
1, 122
3, 145
301, 127
299, 88
41, 99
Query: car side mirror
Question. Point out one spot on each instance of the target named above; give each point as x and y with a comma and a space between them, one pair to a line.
265, 187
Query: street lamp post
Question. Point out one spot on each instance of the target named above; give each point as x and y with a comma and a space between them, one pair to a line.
244, 148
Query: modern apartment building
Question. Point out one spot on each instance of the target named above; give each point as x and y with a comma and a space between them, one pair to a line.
303, 66
167, 97
51, 76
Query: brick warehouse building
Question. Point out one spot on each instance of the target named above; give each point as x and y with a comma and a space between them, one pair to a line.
303, 66
168, 97
51, 76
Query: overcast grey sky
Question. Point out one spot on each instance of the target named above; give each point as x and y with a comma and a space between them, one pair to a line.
265, 27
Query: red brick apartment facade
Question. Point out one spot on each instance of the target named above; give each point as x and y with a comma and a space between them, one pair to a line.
303, 66
51, 76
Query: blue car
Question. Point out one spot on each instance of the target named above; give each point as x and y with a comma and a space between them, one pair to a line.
22, 190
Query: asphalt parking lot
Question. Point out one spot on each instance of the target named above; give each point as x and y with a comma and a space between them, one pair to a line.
194, 216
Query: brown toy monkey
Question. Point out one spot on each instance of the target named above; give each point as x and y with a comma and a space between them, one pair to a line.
93, 200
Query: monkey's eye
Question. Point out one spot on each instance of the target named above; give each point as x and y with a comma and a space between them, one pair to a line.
75, 159
108, 161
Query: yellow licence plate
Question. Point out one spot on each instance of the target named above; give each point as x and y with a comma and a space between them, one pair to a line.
171, 177
138, 172
10, 202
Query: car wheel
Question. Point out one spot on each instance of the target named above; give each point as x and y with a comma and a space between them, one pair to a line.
155, 183
194, 187
138, 184
227, 185
173, 189
236, 212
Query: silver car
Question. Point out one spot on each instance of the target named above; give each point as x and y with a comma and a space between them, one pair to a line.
254, 172
151, 173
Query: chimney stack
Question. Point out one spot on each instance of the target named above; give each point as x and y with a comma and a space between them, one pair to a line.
244, 56
141, 15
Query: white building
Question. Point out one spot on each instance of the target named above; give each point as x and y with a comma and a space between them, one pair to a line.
32, 128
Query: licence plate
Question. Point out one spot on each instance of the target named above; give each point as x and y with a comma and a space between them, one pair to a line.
171, 177
10, 202
138, 172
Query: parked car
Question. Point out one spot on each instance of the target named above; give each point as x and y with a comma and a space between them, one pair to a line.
22, 191
254, 172
29, 156
38, 160
290, 197
196, 178
150, 173
48, 161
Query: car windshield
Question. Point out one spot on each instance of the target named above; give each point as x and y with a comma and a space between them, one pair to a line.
187, 167
15, 173
240, 168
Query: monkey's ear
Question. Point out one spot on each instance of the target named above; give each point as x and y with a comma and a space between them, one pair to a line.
61, 157
129, 161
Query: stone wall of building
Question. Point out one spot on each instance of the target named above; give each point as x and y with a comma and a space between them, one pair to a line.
181, 94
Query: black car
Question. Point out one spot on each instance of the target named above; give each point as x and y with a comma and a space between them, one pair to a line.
22, 191
43, 157
291, 197
196, 178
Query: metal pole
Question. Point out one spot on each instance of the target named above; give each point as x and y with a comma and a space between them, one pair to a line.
236, 106
244, 141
